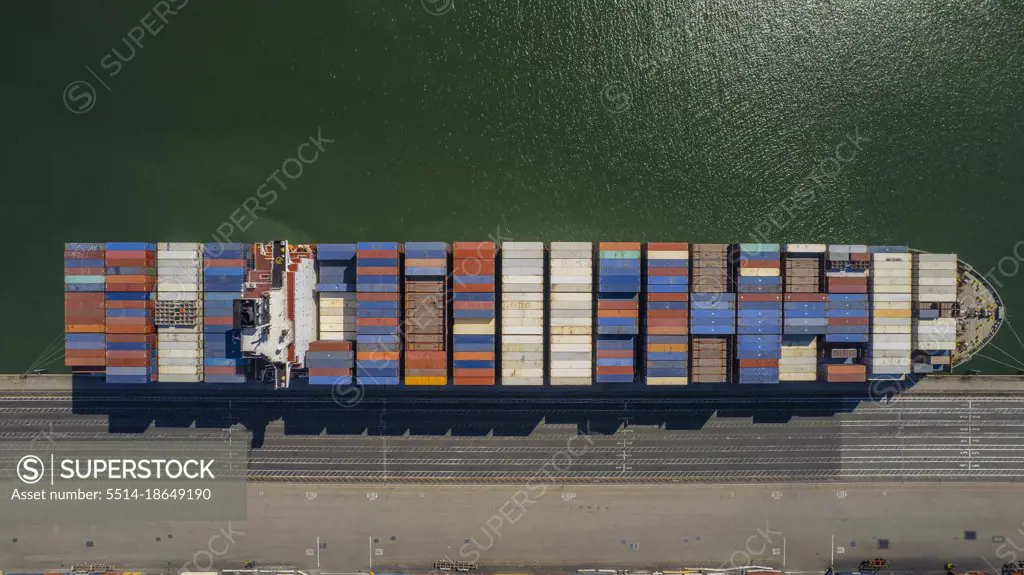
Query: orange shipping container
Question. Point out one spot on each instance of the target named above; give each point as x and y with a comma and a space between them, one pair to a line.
73, 361
619, 246
668, 247
83, 328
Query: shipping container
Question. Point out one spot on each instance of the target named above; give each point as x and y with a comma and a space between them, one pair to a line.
474, 334
426, 317
618, 312
522, 313
666, 328
570, 325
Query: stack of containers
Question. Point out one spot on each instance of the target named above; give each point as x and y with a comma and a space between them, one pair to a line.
935, 284
522, 313
803, 268
224, 269
84, 303
759, 270
847, 304
131, 355
799, 361
426, 301
378, 349
805, 314
847, 270
179, 307
668, 313
572, 313
618, 311
712, 313
759, 343
891, 320
336, 288
713, 309
330, 362
474, 320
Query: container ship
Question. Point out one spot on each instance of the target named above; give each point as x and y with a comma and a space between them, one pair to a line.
522, 314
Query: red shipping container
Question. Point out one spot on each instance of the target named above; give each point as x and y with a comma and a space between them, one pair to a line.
129, 304
759, 363
668, 297
614, 353
847, 321
364, 296
377, 322
85, 305
83, 254
138, 288
330, 345
668, 247
666, 323
473, 305
658, 330
426, 355
472, 268
473, 355
860, 257
84, 317
618, 246
115, 254
474, 288
670, 272
132, 263
84, 271
82, 361
474, 372
667, 313
142, 321
214, 320
376, 254
762, 264
235, 263
85, 353
806, 297
614, 370
127, 362
84, 296
474, 381
376, 271
129, 353
760, 297
473, 246
616, 313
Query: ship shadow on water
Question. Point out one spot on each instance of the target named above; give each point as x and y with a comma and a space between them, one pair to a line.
306, 410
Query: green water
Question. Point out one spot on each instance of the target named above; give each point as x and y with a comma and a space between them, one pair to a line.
572, 120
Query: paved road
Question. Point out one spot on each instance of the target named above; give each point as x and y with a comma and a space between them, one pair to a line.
555, 525
915, 438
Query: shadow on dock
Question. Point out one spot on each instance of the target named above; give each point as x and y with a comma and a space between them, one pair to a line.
307, 410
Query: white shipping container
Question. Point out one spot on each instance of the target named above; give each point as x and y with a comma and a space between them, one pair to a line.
523, 330
533, 297
572, 246
571, 297
522, 313
177, 361
565, 372
521, 356
186, 255
166, 335
571, 347
571, 265
759, 272
516, 246
180, 246
668, 255
895, 345
570, 381
881, 257
806, 248
508, 373
890, 297
175, 378
535, 280
950, 282
564, 287
891, 329
177, 370
933, 258
936, 345
518, 339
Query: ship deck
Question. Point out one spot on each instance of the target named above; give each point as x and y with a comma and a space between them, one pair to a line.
981, 313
